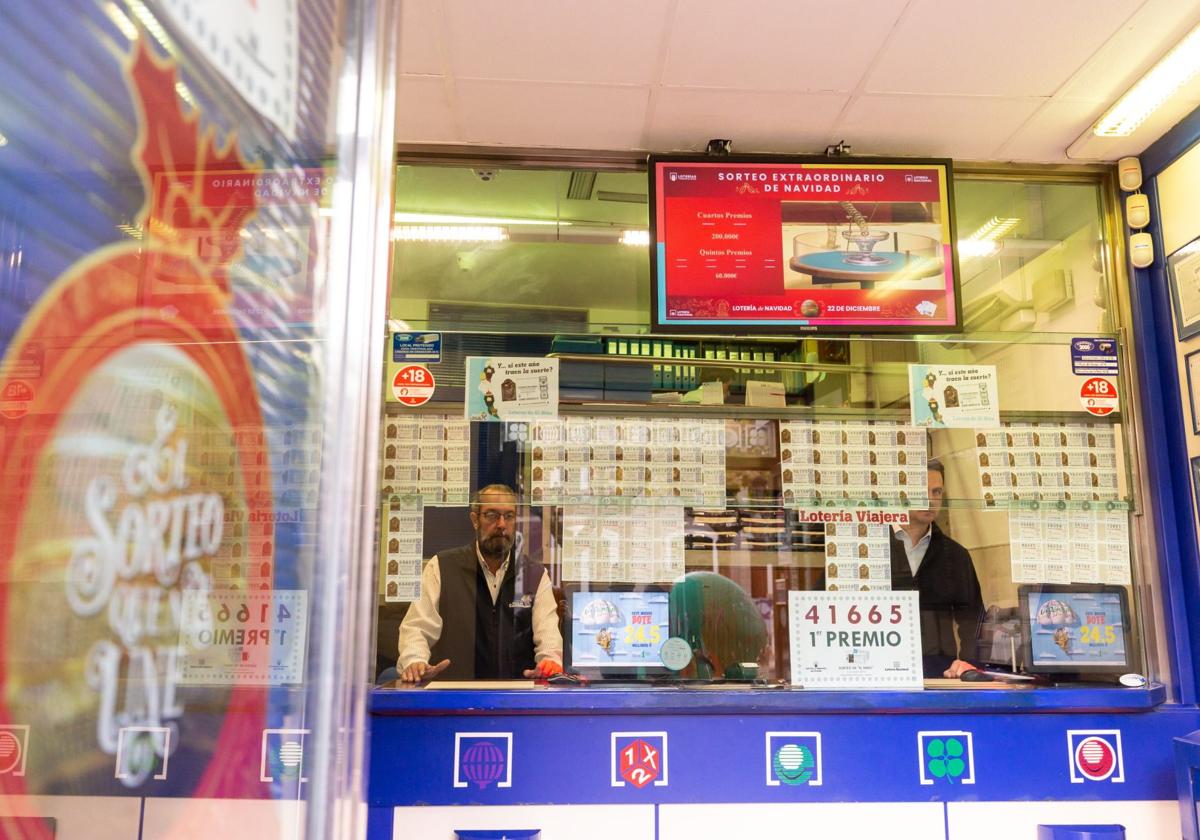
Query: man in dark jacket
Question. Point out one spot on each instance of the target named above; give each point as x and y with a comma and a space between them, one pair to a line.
484, 612
941, 570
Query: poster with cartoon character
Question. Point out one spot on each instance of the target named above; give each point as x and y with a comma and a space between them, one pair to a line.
513, 388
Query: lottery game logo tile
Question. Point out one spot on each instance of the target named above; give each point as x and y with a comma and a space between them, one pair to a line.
142, 753
483, 759
793, 758
14, 743
946, 757
1095, 755
639, 759
282, 755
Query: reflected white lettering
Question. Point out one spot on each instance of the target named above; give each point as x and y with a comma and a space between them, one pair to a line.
123, 570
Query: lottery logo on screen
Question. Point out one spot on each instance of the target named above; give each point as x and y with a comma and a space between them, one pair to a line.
793, 758
1095, 755
483, 759
639, 759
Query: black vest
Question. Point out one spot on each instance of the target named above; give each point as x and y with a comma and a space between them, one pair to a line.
482, 640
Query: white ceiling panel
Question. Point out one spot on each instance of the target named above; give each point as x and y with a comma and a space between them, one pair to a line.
551, 115
422, 34
778, 45
686, 118
1020, 80
423, 112
611, 42
1014, 48
949, 126
1046, 135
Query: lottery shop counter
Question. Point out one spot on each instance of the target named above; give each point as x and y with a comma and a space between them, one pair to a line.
758, 659
709, 761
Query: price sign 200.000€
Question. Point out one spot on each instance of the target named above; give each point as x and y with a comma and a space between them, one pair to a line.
855, 640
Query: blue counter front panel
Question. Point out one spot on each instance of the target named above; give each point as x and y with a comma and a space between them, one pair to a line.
510, 759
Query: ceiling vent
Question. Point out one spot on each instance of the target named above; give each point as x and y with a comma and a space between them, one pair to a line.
982, 313
581, 185
628, 197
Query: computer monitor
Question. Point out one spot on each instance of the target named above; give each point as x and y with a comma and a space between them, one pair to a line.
619, 631
1076, 631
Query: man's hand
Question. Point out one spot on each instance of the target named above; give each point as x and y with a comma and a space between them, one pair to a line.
957, 669
423, 672
545, 669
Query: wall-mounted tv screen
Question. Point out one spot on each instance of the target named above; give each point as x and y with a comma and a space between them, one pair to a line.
750, 244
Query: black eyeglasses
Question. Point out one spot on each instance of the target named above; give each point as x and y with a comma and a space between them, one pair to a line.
493, 516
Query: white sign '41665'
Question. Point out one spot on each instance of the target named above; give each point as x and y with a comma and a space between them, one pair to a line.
855, 640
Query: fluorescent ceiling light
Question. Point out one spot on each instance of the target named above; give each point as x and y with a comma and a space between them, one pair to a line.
1155, 88
449, 233
977, 247
147, 19
442, 219
636, 237
994, 228
186, 95
120, 20
983, 242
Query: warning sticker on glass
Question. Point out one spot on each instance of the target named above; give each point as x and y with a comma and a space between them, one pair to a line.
1094, 357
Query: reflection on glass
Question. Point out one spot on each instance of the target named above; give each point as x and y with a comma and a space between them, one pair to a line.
800, 505
158, 428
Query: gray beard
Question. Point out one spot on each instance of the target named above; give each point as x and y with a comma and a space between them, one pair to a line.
495, 550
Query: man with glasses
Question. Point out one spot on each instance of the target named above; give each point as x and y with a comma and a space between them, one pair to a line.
942, 572
484, 611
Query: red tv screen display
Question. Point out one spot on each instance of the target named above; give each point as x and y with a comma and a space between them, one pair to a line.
749, 245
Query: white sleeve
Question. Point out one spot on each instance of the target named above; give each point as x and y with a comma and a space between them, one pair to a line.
547, 640
422, 625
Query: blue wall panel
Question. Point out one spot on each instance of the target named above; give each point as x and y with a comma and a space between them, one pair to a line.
725, 758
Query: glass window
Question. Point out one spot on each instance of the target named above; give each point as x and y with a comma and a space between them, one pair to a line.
689, 487
529, 248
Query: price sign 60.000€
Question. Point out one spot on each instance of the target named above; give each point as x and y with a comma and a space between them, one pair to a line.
855, 640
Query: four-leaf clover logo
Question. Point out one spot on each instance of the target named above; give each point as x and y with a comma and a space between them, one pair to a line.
944, 758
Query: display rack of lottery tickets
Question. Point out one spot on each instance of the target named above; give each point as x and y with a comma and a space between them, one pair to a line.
734, 487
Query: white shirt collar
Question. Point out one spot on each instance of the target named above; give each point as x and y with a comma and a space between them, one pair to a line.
903, 536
